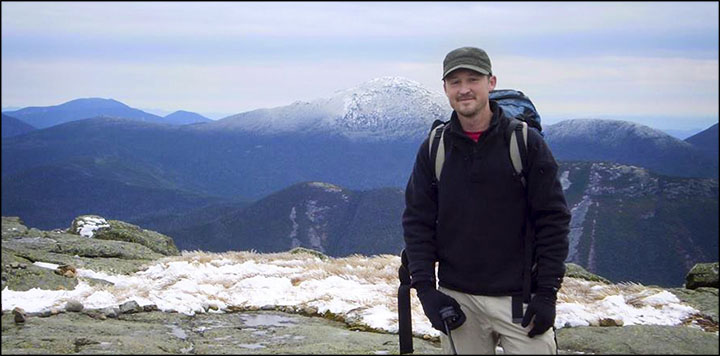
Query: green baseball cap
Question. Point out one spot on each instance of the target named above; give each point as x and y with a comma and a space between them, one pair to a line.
467, 57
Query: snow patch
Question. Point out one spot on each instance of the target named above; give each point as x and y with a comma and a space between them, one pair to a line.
359, 288
330, 188
86, 226
293, 234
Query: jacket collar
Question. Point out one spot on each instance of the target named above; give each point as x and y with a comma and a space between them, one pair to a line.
456, 127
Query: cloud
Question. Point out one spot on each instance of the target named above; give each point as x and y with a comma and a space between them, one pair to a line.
615, 85
311, 19
235, 88
571, 58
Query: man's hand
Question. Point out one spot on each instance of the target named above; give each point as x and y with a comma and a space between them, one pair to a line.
542, 307
432, 301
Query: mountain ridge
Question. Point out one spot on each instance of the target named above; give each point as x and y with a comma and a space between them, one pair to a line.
628, 143
182, 117
14, 127
83, 108
706, 141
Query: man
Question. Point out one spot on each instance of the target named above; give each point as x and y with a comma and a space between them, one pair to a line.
473, 222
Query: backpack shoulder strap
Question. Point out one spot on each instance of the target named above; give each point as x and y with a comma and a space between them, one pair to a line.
437, 148
517, 130
517, 134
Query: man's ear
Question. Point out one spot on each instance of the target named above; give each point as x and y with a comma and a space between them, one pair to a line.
493, 82
444, 87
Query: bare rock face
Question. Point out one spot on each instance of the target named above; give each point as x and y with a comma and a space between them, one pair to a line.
611, 322
130, 307
19, 315
74, 306
702, 275
155, 241
262, 332
91, 242
13, 226
95, 226
66, 271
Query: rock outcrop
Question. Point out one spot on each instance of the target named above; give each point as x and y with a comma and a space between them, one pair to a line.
702, 275
577, 271
91, 242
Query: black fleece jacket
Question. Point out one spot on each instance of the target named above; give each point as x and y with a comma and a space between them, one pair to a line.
473, 221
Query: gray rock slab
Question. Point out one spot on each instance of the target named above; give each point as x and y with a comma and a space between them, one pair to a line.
702, 275
637, 339
704, 299
156, 332
12, 226
22, 279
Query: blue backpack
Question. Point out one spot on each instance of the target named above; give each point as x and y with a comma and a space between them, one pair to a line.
522, 113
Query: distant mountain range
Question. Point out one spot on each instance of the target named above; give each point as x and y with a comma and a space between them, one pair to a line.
47, 116
232, 183
14, 127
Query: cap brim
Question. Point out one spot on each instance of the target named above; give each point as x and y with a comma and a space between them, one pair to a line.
466, 66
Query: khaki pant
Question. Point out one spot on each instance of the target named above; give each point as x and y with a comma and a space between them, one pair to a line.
489, 324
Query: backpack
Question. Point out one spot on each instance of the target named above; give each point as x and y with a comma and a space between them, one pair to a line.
522, 113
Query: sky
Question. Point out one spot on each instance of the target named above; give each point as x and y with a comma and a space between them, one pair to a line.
655, 63
357, 287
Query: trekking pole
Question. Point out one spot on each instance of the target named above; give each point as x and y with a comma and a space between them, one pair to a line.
404, 310
448, 313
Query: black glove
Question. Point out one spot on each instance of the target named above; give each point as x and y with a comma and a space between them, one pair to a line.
542, 307
433, 300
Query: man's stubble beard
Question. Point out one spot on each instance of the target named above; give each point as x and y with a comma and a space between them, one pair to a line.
471, 111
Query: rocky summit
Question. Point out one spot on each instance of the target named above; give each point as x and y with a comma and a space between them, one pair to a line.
114, 247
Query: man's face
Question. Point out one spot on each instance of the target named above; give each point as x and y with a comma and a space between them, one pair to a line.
468, 91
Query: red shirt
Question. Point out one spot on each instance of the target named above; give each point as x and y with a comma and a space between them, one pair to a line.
475, 136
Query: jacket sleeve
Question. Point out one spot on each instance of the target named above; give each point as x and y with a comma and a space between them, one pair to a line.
548, 213
419, 219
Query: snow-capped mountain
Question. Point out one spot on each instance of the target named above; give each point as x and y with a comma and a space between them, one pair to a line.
383, 108
612, 132
628, 143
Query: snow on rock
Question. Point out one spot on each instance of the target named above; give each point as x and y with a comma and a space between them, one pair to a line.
293, 234
564, 181
86, 225
331, 188
361, 289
